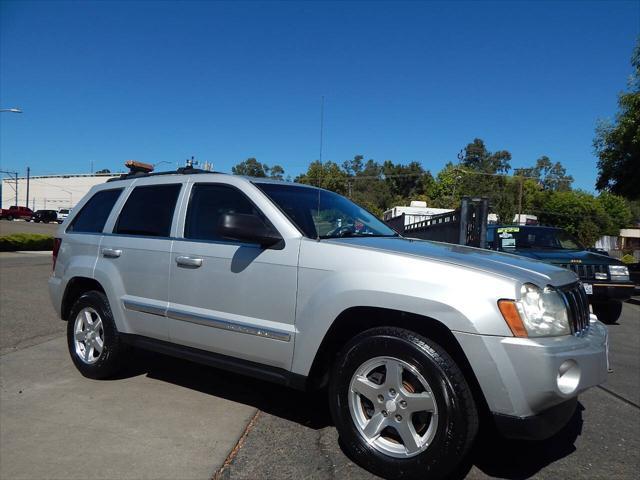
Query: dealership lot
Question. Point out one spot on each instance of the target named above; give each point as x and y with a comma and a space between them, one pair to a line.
166, 418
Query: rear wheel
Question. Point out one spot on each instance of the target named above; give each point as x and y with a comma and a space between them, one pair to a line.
608, 311
10, 217
94, 343
401, 405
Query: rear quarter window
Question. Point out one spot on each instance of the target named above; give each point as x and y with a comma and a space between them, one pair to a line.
93, 215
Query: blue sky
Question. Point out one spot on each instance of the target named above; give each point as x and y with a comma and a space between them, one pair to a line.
104, 82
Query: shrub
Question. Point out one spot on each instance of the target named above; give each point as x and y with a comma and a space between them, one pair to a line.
628, 258
26, 241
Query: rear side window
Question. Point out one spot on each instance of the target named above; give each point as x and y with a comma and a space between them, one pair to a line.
94, 214
149, 211
208, 203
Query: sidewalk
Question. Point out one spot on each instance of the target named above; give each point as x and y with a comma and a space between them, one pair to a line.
158, 421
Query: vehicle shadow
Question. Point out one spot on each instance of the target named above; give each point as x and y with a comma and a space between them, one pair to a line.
493, 455
309, 410
499, 457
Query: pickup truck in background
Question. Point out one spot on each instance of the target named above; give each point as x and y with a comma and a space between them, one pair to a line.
16, 212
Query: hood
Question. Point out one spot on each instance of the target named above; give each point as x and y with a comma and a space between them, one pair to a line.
568, 256
507, 265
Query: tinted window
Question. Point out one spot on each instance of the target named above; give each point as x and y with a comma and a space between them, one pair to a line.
95, 212
208, 203
323, 214
149, 211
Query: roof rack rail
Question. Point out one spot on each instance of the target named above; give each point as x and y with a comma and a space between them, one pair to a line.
188, 170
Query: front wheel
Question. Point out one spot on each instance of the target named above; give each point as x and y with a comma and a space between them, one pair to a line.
401, 405
94, 343
608, 312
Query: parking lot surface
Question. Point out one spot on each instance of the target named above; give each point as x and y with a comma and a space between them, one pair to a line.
167, 418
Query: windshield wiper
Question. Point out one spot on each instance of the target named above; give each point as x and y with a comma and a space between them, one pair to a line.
359, 235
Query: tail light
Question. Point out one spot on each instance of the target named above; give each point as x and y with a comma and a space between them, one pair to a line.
56, 249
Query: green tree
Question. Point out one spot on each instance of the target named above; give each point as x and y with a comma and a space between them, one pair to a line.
326, 175
446, 189
404, 181
578, 212
618, 144
104, 170
549, 175
250, 168
484, 175
253, 168
276, 172
618, 210
476, 157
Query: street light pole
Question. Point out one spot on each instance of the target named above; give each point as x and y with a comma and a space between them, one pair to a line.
27, 199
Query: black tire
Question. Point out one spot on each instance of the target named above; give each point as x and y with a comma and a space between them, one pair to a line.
457, 420
608, 312
10, 217
114, 350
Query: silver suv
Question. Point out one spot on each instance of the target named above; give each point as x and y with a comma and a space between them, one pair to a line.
415, 341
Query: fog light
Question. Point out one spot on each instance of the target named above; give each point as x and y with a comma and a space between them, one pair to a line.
601, 276
568, 377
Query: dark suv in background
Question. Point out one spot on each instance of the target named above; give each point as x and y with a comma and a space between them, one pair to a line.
45, 216
605, 279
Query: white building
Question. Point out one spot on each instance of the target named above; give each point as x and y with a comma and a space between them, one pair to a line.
416, 212
50, 191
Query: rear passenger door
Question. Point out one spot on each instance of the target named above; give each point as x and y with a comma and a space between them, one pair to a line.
229, 297
134, 256
79, 250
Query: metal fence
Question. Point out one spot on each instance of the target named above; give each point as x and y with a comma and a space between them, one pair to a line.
464, 226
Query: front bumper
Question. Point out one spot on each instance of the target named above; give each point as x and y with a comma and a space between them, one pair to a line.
526, 377
612, 291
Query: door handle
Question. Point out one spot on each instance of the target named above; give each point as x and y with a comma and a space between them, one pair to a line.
111, 252
189, 262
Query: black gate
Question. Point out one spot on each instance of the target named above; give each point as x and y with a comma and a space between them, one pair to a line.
464, 226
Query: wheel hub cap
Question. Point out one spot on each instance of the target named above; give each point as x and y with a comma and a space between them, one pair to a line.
393, 407
88, 335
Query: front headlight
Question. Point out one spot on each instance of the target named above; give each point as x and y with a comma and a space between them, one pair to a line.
538, 313
619, 273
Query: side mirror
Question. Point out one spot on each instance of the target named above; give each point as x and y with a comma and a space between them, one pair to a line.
247, 228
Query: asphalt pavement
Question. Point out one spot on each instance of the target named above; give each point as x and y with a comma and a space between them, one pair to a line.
293, 437
167, 418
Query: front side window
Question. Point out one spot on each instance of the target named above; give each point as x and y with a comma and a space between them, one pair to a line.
148, 211
322, 214
93, 215
208, 203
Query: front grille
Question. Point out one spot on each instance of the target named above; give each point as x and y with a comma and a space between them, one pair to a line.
585, 272
577, 303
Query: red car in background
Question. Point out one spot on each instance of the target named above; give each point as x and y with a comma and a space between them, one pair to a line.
13, 212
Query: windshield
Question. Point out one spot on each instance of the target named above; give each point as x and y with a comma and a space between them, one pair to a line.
512, 238
323, 214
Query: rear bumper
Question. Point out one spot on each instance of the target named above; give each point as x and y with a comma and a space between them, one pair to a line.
613, 291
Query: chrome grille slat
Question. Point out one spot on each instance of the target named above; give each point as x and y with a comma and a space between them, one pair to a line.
578, 307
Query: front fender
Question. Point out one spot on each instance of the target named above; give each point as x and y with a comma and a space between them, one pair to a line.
463, 300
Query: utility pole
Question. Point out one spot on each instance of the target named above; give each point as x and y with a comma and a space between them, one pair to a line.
27, 199
16, 174
321, 125
520, 198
